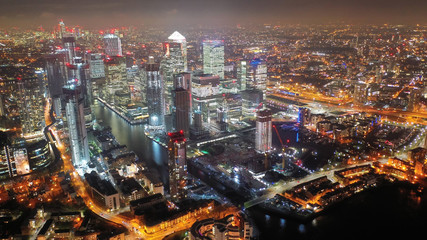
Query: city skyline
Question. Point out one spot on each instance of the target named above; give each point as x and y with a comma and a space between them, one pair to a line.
213, 119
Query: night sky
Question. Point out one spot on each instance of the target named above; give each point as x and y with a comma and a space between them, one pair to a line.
110, 13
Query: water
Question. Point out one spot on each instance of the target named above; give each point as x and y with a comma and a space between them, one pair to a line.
154, 155
388, 212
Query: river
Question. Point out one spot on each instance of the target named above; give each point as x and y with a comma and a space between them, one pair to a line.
154, 155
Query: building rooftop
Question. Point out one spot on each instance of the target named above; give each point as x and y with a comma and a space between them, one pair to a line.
176, 36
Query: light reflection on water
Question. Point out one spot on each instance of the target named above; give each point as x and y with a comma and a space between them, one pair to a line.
154, 155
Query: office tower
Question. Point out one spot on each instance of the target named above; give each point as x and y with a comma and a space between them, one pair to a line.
263, 133
181, 112
257, 75
303, 116
205, 94
69, 43
174, 61
181, 46
251, 102
115, 78
30, 99
76, 124
112, 45
96, 66
155, 97
359, 94
183, 80
213, 57
57, 73
242, 74
61, 29
414, 96
177, 166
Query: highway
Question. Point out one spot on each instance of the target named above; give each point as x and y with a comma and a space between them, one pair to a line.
337, 105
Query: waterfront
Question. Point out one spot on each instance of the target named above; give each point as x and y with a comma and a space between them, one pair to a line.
153, 154
388, 212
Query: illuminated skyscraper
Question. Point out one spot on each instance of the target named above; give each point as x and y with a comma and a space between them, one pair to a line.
360, 94
112, 45
177, 166
263, 133
155, 96
205, 95
257, 75
174, 61
61, 29
96, 66
242, 74
30, 99
76, 124
182, 103
213, 57
177, 37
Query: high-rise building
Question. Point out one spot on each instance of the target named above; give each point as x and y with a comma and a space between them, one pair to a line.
96, 66
182, 110
30, 99
242, 74
61, 29
213, 57
174, 61
177, 166
112, 45
414, 96
257, 75
69, 43
155, 97
57, 73
76, 124
251, 102
263, 133
181, 46
360, 94
205, 95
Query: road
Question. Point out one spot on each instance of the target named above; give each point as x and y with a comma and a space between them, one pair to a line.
282, 186
408, 117
136, 230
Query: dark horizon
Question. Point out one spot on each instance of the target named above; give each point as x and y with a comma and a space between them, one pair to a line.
100, 14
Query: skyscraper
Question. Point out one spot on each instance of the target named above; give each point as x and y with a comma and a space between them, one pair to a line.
174, 61
61, 29
181, 112
177, 37
30, 100
76, 124
213, 57
112, 45
177, 166
96, 66
242, 74
257, 75
359, 94
155, 97
182, 103
263, 133
205, 95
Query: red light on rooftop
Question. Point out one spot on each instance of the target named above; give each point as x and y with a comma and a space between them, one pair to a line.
180, 131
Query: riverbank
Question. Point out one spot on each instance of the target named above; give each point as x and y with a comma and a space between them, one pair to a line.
122, 115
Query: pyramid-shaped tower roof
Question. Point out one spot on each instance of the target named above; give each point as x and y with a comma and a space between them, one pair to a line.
176, 36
